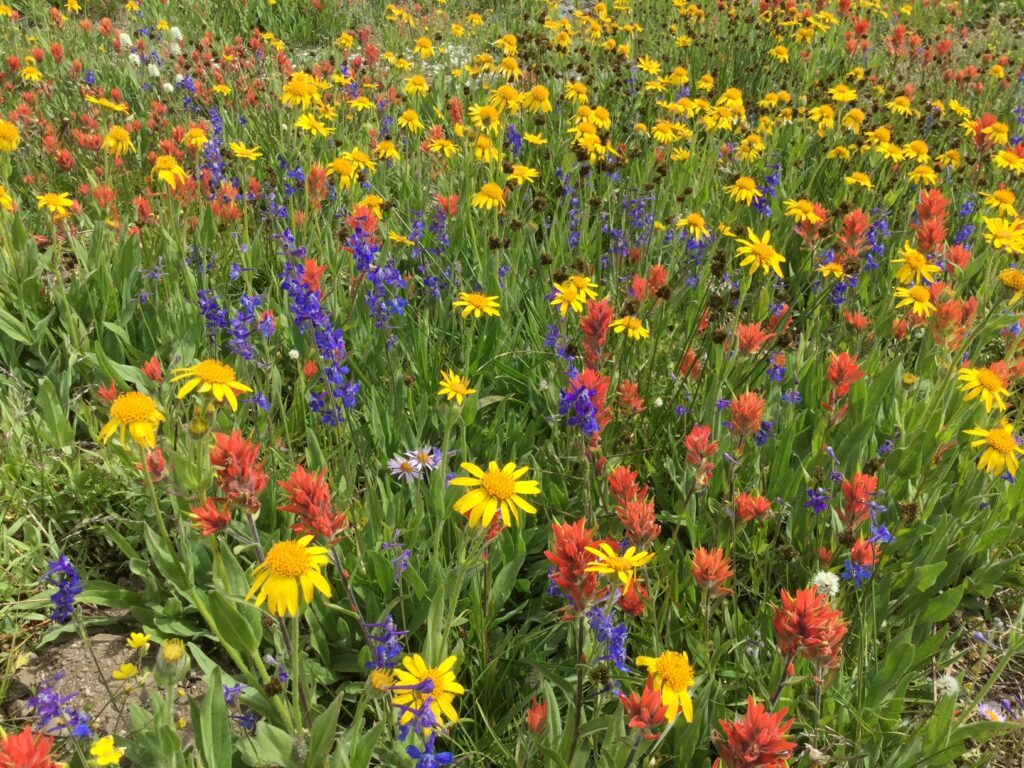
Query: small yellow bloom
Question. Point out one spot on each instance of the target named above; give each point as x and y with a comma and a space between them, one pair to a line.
243, 152
106, 751
126, 672
622, 566
489, 197
495, 490
214, 377
136, 414
918, 298
477, 304
986, 384
291, 568
455, 387
633, 327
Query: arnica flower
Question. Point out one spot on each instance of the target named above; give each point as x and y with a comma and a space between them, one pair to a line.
214, 377
499, 489
167, 170
986, 384
710, 569
134, 413
26, 750
1005, 234
172, 663
756, 741
118, 141
744, 190
56, 203
566, 297
106, 752
477, 304
10, 138
645, 710
758, 253
1001, 449
418, 687
918, 298
801, 211
916, 267
608, 561
288, 566
673, 677
455, 387
807, 626
633, 327
242, 152
489, 197
1014, 280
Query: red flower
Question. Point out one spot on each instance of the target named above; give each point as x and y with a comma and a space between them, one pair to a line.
746, 412
629, 396
756, 741
156, 465
710, 569
645, 710
843, 372
637, 517
865, 553
622, 481
309, 497
699, 450
658, 277
752, 338
537, 716
570, 558
809, 627
312, 273
594, 325
26, 750
857, 495
211, 519
450, 205
240, 474
632, 600
690, 366
108, 394
749, 508
310, 369
153, 369
599, 383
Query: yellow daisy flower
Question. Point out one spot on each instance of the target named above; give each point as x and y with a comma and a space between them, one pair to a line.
214, 377
674, 676
986, 384
498, 489
1001, 449
134, 413
477, 304
289, 566
455, 387
418, 686
623, 566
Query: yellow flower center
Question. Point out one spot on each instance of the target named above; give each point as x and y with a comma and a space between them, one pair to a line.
619, 564
133, 407
172, 650
675, 670
1012, 279
492, 191
762, 252
919, 294
498, 485
746, 183
915, 259
288, 558
989, 380
381, 680
165, 163
1004, 196
1001, 441
458, 386
805, 206
477, 300
214, 372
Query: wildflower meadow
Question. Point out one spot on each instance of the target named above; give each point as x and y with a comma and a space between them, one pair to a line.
535, 383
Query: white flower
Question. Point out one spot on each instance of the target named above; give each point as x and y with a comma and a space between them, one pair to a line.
168, 87
178, 78
658, 402
543, 386
176, 33
826, 582
125, 39
134, 59
293, 354
154, 70
175, 49
947, 685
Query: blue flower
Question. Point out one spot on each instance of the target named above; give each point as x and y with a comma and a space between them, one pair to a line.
428, 757
65, 577
612, 635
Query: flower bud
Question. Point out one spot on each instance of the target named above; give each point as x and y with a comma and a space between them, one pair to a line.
172, 663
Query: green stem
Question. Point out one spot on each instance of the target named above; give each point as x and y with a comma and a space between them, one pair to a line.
296, 671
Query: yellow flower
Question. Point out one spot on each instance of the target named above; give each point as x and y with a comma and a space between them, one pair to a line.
842, 93
1001, 449
410, 120
485, 151
360, 104
1003, 159
623, 566
125, 672
744, 190
924, 175
832, 269
31, 74
861, 179
134, 413
211, 376
900, 106
168, 171
566, 297
106, 103
289, 566
498, 489
586, 287
489, 197
344, 169
418, 686
1005, 234
759, 253
674, 676
10, 138
1014, 280
802, 210
416, 84
916, 267
524, 173
633, 327
1002, 200
311, 125
986, 384
138, 640
477, 304
695, 225
779, 53
118, 141
918, 298
443, 146
243, 152
106, 752
302, 90
6, 201
537, 99
424, 47
195, 138
535, 139
56, 203
455, 387
386, 151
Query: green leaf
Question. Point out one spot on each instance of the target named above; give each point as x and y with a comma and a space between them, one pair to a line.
321, 735
231, 625
213, 727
